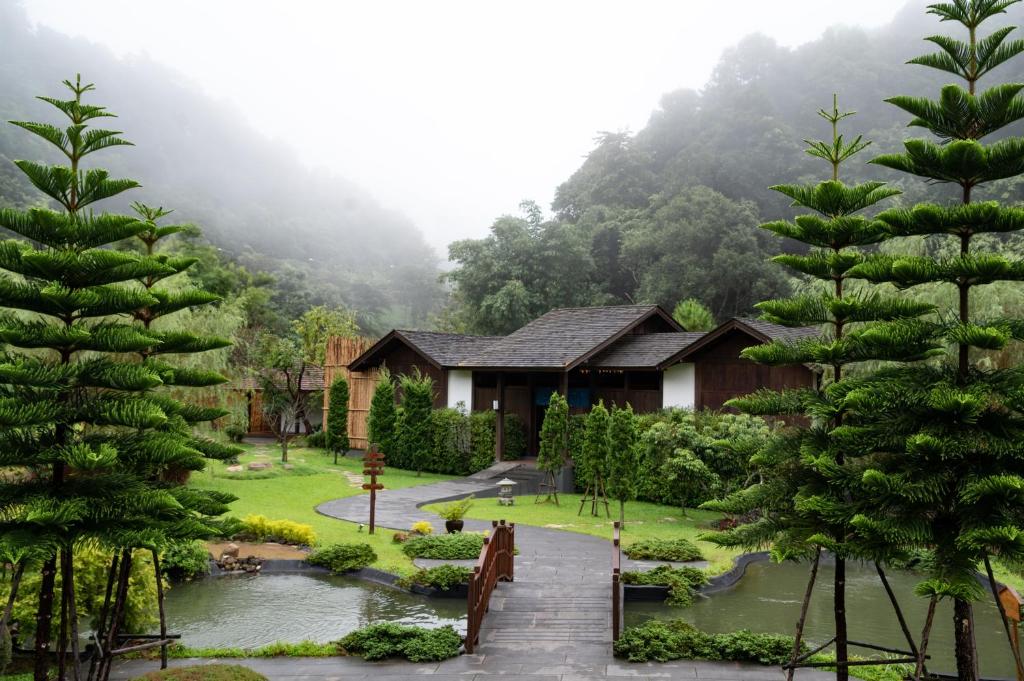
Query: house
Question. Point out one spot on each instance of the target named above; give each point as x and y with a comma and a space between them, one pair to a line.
626, 353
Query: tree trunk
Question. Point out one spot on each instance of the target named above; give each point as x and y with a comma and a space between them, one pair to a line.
842, 654
69, 587
622, 513
44, 617
925, 635
803, 615
284, 448
966, 646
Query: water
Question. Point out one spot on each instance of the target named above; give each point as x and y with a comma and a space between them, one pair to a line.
768, 599
248, 611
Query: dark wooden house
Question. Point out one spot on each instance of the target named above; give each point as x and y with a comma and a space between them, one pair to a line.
634, 354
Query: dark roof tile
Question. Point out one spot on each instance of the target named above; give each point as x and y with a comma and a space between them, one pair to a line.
642, 352
448, 349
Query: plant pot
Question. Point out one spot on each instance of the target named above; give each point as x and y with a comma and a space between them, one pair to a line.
453, 526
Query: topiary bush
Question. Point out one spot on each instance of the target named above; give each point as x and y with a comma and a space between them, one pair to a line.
261, 528
676, 550
182, 561
340, 558
317, 439
205, 672
662, 641
682, 583
416, 644
443, 577
458, 546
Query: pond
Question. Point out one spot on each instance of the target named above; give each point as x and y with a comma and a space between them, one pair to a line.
247, 611
767, 599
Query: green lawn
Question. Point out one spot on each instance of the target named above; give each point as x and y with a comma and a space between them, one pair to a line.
643, 521
293, 494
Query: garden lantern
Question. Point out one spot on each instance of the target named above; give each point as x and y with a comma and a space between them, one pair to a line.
505, 497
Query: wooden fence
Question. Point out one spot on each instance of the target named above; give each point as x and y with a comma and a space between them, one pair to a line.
617, 611
340, 353
496, 564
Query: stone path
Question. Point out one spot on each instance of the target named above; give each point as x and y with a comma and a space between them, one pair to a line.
552, 623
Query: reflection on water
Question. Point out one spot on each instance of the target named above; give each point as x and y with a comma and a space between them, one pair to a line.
768, 599
248, 611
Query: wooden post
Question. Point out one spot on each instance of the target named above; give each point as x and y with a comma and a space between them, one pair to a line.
1009, 604
499, 427
373, 465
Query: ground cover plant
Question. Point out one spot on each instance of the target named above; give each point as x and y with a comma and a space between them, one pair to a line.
443, 577
416, 644
682, 582
339, 558
457, 546
182, 561
661, 641
295, 498
260, 528
205, 672
675, 550
645, 521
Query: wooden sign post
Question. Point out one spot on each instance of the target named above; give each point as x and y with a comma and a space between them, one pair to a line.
373, 465
1011, 604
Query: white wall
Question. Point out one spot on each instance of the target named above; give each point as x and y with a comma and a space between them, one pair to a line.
679, 388
460, 388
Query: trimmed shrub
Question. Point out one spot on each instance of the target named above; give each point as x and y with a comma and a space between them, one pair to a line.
442, 577
336, 428
682, 583
185, 560
677, 640
416, 644
205, 672
415, 440
515, 438
261, 528
382, 419
676, 550
317, 439
458, 546
451, 434
340, 558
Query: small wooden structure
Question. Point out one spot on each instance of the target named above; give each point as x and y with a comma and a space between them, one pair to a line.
373, 465
496, 564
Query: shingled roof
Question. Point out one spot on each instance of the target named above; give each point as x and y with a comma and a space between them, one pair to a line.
777, 332
644, 352
564, 338
442, 349
761, 331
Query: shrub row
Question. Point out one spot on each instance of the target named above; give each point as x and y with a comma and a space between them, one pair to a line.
676, 550
340, 558
416, 644
682, 583
461, 443
443, 577
676, 640
185, 560
261, 528
458, 546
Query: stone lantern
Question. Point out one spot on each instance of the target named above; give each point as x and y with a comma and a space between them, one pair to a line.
505, 497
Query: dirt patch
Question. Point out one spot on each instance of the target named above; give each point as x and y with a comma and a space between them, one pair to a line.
268, 550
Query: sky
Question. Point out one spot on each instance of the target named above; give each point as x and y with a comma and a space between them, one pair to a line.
448, 111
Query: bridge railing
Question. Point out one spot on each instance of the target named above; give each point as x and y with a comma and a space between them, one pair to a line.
495, 564
617, 610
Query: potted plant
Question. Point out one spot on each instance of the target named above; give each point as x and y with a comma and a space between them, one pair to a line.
454, 512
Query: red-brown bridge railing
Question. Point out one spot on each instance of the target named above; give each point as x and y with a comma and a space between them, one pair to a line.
617, 613
494, 565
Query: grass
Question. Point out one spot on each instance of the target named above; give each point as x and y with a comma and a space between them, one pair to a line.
643, 521
207, 672
280, 493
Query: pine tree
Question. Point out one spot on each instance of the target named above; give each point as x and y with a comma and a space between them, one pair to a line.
595, 454
693, 315
382, 420
106, 437
948, 474
554, 445
415, 439
623, 458
807, 495
336, 427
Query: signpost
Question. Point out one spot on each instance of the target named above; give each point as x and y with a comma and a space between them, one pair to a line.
373, 465
1011, 603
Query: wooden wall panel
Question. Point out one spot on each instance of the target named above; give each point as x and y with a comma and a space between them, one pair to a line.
361, 384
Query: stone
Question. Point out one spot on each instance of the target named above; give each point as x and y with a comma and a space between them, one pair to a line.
237, 468
287, 466
231, 550
259, 465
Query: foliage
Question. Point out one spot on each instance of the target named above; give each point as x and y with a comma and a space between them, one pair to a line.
682, 582
593, 466
452, 441
317, 439
205, 672
182, 561
623, 457
336, 427
421, 527
317, 325
343, 557
456, 510
382, 420
416, 644
675, 550
554, 436
415, 440
457, 546
692, 315
262, 528
443, 577
662, 641
281, 369
277, 649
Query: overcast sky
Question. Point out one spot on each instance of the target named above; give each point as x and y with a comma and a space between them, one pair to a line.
450, 111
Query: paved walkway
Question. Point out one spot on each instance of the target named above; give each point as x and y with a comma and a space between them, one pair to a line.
552, 623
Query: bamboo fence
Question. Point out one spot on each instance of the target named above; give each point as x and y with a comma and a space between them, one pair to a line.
340, 353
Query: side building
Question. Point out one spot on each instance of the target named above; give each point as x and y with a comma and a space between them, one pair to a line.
634, 354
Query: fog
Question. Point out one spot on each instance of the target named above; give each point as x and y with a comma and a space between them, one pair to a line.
448, 112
